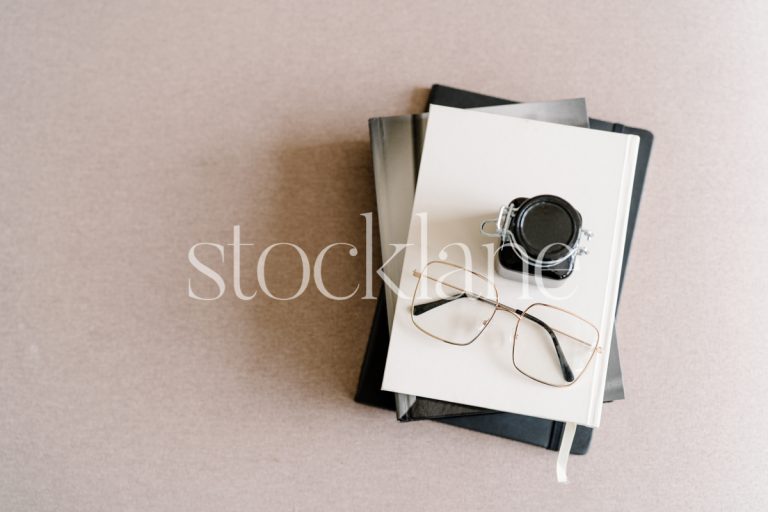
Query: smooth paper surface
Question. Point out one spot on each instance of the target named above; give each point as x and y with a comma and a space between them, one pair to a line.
473, 163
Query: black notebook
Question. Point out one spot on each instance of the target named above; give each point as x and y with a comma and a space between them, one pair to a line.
531, 430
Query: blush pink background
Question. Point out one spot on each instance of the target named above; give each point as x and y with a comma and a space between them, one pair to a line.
130, 131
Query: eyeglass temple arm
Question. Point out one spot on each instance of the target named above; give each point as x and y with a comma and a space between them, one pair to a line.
418, 309
519, 313
564, 366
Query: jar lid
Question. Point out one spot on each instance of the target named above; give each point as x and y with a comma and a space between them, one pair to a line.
546, 223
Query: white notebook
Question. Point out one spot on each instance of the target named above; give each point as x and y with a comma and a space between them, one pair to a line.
473, 163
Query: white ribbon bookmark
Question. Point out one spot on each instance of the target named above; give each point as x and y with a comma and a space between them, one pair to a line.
565, 451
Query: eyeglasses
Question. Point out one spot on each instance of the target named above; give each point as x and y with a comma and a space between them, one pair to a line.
455, 305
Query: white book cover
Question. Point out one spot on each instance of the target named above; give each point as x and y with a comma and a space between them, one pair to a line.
473, 163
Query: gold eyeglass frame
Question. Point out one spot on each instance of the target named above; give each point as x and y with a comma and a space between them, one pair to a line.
498, 306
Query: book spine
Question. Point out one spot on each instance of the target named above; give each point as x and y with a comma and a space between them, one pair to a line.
632, 145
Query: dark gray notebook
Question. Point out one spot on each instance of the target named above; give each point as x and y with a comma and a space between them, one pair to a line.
409, 134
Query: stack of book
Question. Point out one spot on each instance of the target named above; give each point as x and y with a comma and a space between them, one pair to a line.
516, 412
